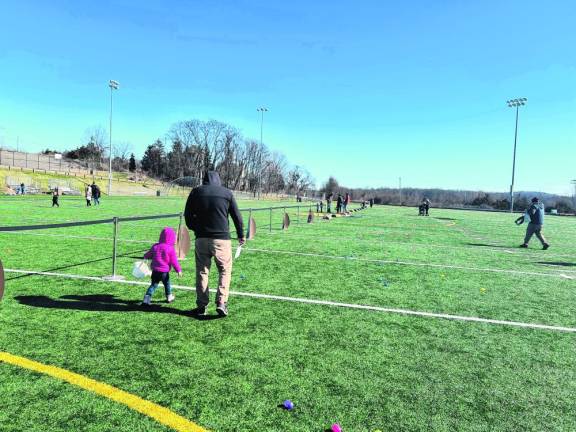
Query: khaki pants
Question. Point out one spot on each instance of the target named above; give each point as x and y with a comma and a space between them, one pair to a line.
534, 229
221, 251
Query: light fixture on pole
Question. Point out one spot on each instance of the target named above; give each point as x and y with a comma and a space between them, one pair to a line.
514, 103
261, 110
114, 85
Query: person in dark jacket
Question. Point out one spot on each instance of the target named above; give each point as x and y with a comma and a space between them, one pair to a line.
426, 206
55, 196
347, 200
206, 213
95, 193
535, 215
339, 202
329, 202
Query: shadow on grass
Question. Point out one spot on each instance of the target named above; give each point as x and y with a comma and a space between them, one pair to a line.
126, 255
104, 303
488, 245
445, 218
557, 263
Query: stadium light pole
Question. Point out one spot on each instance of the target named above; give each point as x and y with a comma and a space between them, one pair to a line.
514, 103
114, 85
261, 110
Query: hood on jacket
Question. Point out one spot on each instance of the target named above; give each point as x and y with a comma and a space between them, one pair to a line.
168, 236
211, 178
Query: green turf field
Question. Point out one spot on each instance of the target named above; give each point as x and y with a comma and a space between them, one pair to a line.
365, 369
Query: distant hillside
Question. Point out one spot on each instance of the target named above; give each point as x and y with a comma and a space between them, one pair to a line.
74, 183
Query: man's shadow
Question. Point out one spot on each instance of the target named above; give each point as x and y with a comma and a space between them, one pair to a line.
105, 303
489, 245
557, 263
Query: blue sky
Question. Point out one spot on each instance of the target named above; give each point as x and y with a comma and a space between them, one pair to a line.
367, 91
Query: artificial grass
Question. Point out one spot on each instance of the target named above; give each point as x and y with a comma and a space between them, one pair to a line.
366, 370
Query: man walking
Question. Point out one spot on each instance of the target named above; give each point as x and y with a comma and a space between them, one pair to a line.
95, 193
206, 213
426, 204
339, 202
535, 214
347, 200
329, 202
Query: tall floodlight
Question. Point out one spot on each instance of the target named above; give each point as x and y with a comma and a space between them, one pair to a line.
261, 110
514, 103
114, 85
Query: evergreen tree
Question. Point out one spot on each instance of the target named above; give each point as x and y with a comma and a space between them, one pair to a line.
154, 160
132, 163
176, 160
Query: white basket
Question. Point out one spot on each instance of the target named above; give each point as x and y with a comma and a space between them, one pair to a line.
141, 269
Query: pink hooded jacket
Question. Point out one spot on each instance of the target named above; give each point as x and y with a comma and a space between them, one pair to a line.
163, 253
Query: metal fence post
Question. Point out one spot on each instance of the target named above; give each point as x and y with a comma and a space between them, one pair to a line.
249, 219
298, 213
270, 219
114, 247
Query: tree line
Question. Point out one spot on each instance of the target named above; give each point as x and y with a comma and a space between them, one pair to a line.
243, 164
193, 146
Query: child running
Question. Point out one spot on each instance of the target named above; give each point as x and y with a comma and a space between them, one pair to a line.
164, 258
55, 194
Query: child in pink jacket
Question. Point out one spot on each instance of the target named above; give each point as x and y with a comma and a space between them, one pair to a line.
164, 258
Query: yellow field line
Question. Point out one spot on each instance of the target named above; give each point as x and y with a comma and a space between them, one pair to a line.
160, 414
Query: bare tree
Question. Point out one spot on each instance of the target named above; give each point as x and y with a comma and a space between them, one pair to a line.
122, 151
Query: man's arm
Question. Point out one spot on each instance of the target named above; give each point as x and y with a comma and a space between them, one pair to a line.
236, 218
190, 212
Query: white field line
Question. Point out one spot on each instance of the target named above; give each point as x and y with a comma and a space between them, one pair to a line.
322, 303
408, 263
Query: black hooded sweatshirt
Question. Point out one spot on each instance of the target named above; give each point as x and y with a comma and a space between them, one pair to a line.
208, 207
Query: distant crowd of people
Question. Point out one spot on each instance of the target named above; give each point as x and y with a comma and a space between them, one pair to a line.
92, 194
342, 203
